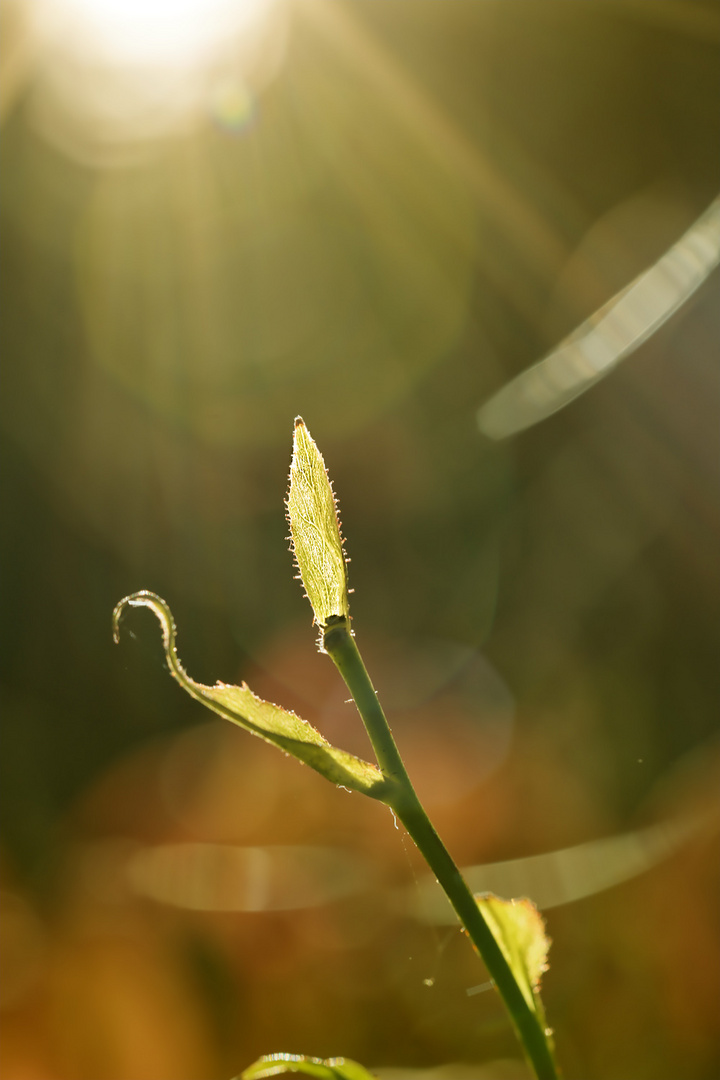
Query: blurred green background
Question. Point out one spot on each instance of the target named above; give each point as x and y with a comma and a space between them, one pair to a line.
372, 214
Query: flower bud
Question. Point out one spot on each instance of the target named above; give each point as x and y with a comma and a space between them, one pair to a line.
315, 530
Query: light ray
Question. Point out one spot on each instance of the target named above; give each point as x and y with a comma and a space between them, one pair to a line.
534, 237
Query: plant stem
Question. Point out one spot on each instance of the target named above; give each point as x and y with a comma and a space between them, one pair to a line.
339, 644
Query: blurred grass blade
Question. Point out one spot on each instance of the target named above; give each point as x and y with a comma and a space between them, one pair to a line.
559, 877
331, 1069
315, 529
203, 876
276, 725
519, 929
607, 337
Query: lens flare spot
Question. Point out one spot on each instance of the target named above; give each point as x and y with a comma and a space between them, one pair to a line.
233, 106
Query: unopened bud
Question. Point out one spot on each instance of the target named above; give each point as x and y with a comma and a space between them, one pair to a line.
315, 529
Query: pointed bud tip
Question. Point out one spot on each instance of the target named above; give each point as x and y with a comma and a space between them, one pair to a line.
299, 422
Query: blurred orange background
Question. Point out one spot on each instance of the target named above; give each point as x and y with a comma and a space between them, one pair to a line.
216, 216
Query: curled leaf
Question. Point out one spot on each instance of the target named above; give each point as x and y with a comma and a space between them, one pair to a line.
315, 530
330, 1069
270, 722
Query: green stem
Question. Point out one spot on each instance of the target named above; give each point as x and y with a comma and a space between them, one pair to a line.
339, 644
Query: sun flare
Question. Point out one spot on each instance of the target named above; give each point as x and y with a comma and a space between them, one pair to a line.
116, 73
154, 33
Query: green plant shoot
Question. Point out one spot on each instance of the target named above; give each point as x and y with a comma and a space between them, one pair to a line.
315, 529
509, 935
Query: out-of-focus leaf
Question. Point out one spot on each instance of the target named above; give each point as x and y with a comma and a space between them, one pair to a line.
276, 725
315, 529
519, 929
331, 1069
